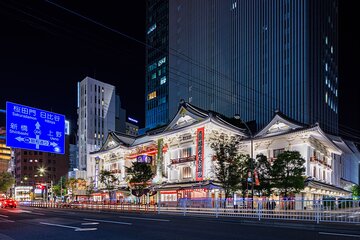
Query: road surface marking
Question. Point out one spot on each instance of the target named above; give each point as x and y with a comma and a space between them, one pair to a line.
85, 229
58, 225
339, 234
149, 219
3, 215
65, 226
107, 221
41, 214
90, 223
5, 220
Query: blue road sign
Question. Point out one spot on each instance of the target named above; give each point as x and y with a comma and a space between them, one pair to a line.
34, 129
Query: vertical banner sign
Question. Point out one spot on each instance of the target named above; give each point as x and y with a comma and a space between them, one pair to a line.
200, 154
159, 160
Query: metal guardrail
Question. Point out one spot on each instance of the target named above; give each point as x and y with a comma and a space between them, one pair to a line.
343, 211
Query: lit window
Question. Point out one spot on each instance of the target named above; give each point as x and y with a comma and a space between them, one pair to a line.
152, 28
152, 67
332, 49
336, 92
326, 80
163, 80
152, 95
162, 100
153, 76
161, 61
326, 97
185, 152
326, 67
187, 172
326, 40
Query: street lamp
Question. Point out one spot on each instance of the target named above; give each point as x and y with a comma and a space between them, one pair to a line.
41, 171
237, 116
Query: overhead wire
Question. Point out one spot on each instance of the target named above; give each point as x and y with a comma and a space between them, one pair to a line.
185, 58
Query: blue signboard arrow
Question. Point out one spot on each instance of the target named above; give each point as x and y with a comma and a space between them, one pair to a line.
34, 129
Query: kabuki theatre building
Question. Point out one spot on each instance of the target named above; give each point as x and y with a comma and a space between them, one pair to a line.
181, 156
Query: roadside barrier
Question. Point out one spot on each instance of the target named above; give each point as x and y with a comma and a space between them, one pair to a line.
340, 210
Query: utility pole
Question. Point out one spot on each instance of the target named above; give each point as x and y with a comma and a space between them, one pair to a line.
52, 191
251, 159
61, 189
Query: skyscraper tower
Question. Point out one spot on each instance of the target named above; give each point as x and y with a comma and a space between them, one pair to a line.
96, 116
250, 57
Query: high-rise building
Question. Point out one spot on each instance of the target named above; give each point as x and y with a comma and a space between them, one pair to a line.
244, 57
157, 64
5, 152
36, 167
96, 116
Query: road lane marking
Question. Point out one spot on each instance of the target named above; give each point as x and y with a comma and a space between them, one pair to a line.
6, 220
3, 215
71, 227
107, 221
58, 225
85, 229
29, 212
339, 234
148, 219
90, 223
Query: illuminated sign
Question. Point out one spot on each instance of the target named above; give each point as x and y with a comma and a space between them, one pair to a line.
144, 158
133, 120
200, 154
34, 129
67, 127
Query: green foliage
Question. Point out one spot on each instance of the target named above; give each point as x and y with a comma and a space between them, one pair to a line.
355, 191
287, 173
247, 165
6, 180
263, 167
229, 164
137, 176
90, 189
108, 179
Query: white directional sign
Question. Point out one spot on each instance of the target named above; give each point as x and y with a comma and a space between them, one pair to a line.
34, 129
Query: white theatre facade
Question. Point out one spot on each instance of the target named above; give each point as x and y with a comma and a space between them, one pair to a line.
183, 162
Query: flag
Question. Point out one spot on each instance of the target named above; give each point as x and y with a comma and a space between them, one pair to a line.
257, 182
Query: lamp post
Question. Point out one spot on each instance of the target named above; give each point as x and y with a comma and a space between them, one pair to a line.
41, 174
237, 116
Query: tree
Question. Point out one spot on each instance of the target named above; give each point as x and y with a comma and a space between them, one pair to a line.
137, 176
287, 173
228, 164
90, 190
355, 191
109, 180
71, 184
6, 181
262, 168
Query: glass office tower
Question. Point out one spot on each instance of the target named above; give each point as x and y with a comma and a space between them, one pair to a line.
250, 57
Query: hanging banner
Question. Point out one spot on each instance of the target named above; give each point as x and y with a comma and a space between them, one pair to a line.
200, 154
257, 181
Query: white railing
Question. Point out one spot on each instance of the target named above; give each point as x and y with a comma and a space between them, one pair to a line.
345, 211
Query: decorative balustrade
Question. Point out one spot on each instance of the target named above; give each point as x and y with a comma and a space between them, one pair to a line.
323, 162
183, 159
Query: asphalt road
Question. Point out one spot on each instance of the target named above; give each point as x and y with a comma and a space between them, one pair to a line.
26, 223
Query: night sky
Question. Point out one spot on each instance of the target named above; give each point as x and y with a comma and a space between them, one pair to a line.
46, 50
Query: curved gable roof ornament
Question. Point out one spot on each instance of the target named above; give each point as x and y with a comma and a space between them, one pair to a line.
186, 115
280, 124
